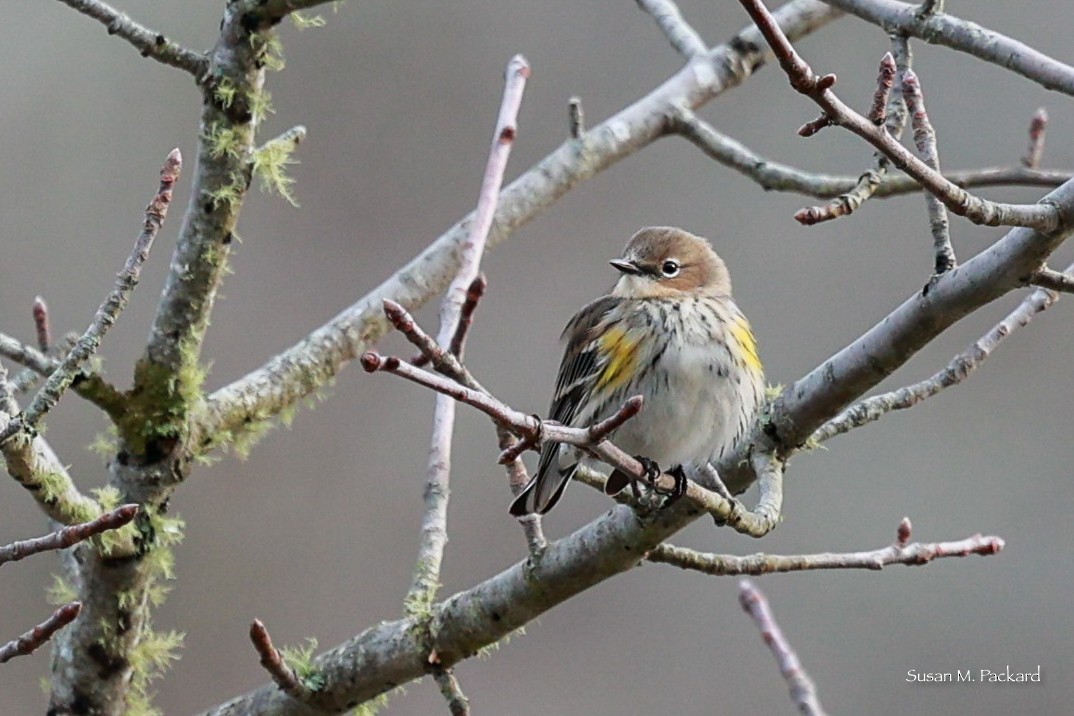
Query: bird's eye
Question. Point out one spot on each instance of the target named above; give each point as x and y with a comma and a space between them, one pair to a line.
670, 268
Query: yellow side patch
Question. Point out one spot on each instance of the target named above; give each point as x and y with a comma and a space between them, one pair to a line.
622, 358
739, 328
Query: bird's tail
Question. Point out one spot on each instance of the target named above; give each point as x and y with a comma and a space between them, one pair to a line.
543, 491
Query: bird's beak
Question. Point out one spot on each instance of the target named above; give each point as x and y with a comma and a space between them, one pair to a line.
628, 267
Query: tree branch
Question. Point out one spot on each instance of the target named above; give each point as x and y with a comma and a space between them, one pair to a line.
315, 360
775, 176
835, 111
434, 520
1054, 280
458, 704
89, 386
964, 36
682, 37
32, 640
803, 691
30, 460
925, 138
805, 405
957, 370
281, 673
70, 367
899, 552
68, 536
1037, 127
148, 42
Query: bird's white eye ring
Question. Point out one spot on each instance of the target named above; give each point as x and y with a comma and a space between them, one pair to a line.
670, 268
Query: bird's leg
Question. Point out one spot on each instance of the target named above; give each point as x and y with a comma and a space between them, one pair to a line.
678, 490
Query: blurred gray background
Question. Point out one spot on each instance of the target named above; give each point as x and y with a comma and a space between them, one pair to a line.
316, 532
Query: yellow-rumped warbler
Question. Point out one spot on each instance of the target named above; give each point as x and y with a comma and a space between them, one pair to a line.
670, 332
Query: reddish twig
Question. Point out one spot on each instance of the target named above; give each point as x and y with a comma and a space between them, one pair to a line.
1037, 127
803, 692
730, 512
466, 316
434, 519
41, 323
68, 536
1042, 217
32, 640
282, 674
600, 430
885, 80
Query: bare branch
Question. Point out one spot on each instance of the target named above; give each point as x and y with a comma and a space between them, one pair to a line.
30, 460
1037, 127
775, 176
1054, 280
957, 370
457, 702
802, 407
281, 673
939, 29
888, 110
32, 640
299, 370
466, 316
899, 552
925, 138
453, 328
69, 368
90, 386
732, 513
68, 536
835, 111
803, 691
147, 42
682, 37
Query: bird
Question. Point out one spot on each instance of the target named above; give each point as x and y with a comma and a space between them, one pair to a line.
669, 331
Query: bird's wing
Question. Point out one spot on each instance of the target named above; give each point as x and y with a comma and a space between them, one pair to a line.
580, 370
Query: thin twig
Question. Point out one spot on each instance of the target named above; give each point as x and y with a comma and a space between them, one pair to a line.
1041, 217
732, 513
1054, 280
576, 117
889, 111
957, 370
1037, 128
925, 139
776, 176
901, 551
61, 378
803, 691
284, 676
68, 536
434, 519
447, 364
90, 386
41, 324
466, 316
322, 354
682, 37
457, 702
148, 42
32, 640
